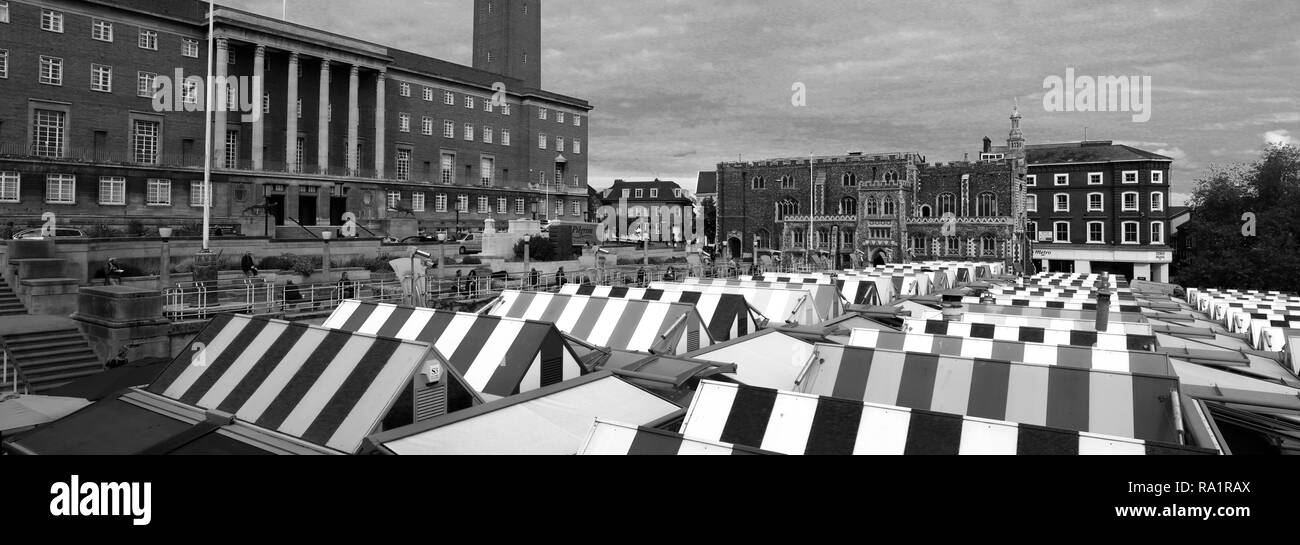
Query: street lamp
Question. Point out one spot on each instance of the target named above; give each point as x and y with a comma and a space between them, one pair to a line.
645, 246
325, 260
757, 239
164, 273
528, 240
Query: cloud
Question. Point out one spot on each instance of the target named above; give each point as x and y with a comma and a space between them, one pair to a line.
1280, 136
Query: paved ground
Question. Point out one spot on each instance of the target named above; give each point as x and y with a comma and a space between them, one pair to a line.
10, 325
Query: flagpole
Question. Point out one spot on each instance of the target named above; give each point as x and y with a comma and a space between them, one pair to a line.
812, 196
207, 123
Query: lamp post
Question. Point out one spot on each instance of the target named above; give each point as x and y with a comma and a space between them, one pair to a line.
756, 241
164, 273
835, 246
325, 258
528, 240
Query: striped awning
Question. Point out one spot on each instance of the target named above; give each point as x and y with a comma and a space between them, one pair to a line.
1048, 302
327, 387
855, 290
795, 423
1122, 328
769, 358
776, 305
729, 316
497, 356
825, 297
616, 439
1057, 313
1063, 395
621, 324
1070, 337
1020, 351
1064, 294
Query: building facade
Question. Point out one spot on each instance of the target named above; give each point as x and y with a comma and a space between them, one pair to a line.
105, 122
643, 198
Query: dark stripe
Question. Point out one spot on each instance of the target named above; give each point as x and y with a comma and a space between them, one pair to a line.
1163, 449
303, 380
1040, 441
988, 389
747, 421
633, 319
834, 428
358, 317
586, 289
649, 443
1152, 417
217, 366
618, 292
260, 370
726, 316
855, 367
475, 339
587, 320
351, 391
1019, 303
1083, 338
1074, 356
1031, 334
653, 295
1067, 398
185, 358
916, 389
521, 355
396, 321
936, 327
931, 433
555, 308
692, 297
523, 300
1055, 304
983, 331
436, 326
890, 340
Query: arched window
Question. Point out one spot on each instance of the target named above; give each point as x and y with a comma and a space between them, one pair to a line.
757, 182
888, 206
988, 246
891, 176
849, 180
925, 211
848, 206
786, 182
986, 205
872, 209
945, 204
786, 207
796, 237
763, 239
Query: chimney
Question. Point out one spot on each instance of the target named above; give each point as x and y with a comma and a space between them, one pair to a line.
1103, 303
988, 144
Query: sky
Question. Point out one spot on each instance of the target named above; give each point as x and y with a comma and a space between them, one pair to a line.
679, 86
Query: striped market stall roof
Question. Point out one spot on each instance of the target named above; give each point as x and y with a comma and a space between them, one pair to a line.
1110, 340
796, 423
1048, 302
497, 356
622, 324
825, 297
769, 358
1056, 313
775, 304
324, 386
617, 439
1122, 328
854, 289
1067, 294
1062, 395
1025, 350
728, 314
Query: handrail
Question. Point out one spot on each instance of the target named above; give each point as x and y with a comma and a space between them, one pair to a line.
304, 227
18, 371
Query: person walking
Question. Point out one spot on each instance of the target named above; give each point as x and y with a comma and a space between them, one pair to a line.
112, 273
560, 280
532, 278
247, 265
347, 288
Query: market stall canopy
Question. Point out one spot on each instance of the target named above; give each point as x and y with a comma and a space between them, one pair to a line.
770, 358
775, 305
21, 412
1112, 339
618, 439
658, 327
1122, 328
1058, 313
825, 297
728, 314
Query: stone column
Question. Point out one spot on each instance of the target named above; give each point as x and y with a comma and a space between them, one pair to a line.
291, 120
354, 120
217, 98
380, 150
259, 89
323, 134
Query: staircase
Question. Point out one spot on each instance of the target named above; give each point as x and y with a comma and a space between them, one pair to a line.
9, 303
49, 359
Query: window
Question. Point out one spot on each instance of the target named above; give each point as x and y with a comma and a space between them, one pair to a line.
60, 189
849, 205
483, 205
1096, 232
654, 193
577, 209
487, 135
872, 208
505, 137
47, 132
541, 140
101, 78
577, 120
986, 205
1062, 203
953, 244
101, 30
577, 183
786, 182
50, 20
1031, 203
1157, 201
559, 117
1131, 232
542, 113
888, 208
4, 63
404, 89
469, 102
1157, 232
299, 150
9, 185
559, 211
1130, 176
394, 199
786, 207
426, 126
1062, 229
505, 108
403, 164
559, 144
232, 149
1157, 177
469, 132
448, 162
796, 238
300, 108
1061, 179
502, 205
487, 171
149, 40
190, 48
577, 146
1096, 202
1094, 178
917, 243
417, 202
1031, 180
924, 211
519, 206
144, 141
462, 203
404, 122
946, 204
1031, 228
440, 203
487, 105
448, 129
266, 103
988, 246
427, 94
627, 193
639, 193
849, 180
159, 192
197, 198
758, 183
1130, 201
4, 12
190, 94
448, 98
51, 70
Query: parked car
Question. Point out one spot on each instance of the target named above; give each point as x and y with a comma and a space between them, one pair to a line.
469, 244
60, 232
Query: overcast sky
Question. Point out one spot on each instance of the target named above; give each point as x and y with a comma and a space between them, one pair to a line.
680, 85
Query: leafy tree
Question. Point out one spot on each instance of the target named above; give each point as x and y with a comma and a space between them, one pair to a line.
1220, 253
710, 218
539, 249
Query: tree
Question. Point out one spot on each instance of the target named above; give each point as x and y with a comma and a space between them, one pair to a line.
710, 218
1222, 252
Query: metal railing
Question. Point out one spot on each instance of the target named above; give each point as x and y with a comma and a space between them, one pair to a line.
196, 301
12, 374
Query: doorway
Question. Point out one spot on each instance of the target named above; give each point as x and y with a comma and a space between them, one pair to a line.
275, 208
338, 207
733, 248
879, 258
307, 210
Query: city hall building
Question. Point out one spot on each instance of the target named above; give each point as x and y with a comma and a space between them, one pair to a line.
338, 126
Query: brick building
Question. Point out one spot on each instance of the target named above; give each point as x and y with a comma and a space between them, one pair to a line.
643, 197
339, 125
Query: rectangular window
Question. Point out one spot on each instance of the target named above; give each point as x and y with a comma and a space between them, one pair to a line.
577, 209
101, 30
232, 149
9, 186
1096, 232
144, 141
448, 98
1157, 232
428, 97
577, 146
502, 205
145, 84
426, 126
448, 129
101, 78
1094, 178
197, 197
541, 141
505, 137
190, 48
1131, 232
576, 183
519, 206
640, 193
299, 108
469, 132
440, 203
1062, 203
1031, 203
1130, 202
417, 202
627, 193
559, 144
60, 189
1130, 176
559, 208
4, 12
469, 102
559, 117
148, 39
1095, 202
542, 113
462, 203
483, 205
487, 105
159, 192
654, 193
404, 122
190, 92
1061, 179
487, 135
1031, 228
448, 163
394, 199
577, 120
1157, 202
48, 128
266, 103
1031, 180
404, 89
1157, 177
51, 70
299, 154
487, 171
403, 164
505, 108
1062, 231
4, 63
51, 20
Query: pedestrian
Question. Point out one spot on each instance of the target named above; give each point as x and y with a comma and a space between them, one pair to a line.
471, 284
347, 288
458, 282
112, 273
670, 275
532, 278
291, 295
640, 276
9, 231
247, 265
560, 280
